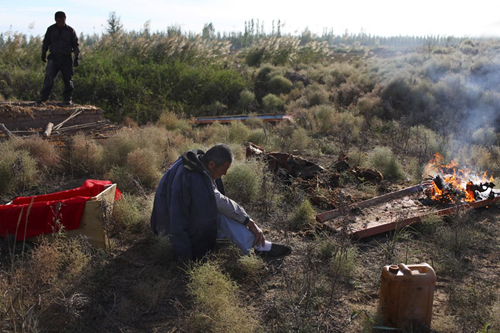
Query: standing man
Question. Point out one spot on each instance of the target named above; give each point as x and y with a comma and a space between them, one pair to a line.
191, 208
61, 39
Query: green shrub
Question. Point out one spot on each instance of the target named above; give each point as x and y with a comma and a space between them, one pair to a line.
144, 165
279, 85
127, 140
383, 159
86, 154
238, 132
344, 262
247, 100
128, 215
325, 118
213, 134
298, 142
303, 215
243, 181
250, 265
170, 121
257, 136
41, 150
254, 122
217, 307
272, 103
315, 94
18, 169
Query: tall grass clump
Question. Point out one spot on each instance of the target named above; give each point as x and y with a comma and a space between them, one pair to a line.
41, 150
86, 154
127, 140
343, 263
243, 181
170, 121
18, 169
384, 160
212, 134
325, 118
217, 307
272, 103
247, 100
130, 215
238, 132
303, 215
37, 290
144, 164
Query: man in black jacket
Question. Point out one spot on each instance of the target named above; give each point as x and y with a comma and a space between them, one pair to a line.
61, 39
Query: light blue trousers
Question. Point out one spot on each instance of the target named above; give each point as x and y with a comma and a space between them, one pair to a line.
237, 233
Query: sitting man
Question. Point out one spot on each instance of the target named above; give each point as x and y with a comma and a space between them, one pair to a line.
191, 207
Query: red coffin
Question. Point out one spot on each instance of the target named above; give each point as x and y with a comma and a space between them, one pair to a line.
27, 217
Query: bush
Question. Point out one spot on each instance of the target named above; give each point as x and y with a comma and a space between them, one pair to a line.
213, 134
41, 150
217, 307
128, 140
243, 181
382, 159
325, 118
279, 85
169, 120
315, 94
272, 103
302, 216
299, 141
344, 262
86, 154
238, 132
247, 100
144, 165
129, 215
257, 136
18, 169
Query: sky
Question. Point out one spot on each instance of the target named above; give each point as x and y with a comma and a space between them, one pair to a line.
458, 18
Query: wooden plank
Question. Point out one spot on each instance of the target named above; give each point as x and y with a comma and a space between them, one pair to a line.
325, 216
375, 230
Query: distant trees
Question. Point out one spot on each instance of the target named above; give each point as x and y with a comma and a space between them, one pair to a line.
114, 24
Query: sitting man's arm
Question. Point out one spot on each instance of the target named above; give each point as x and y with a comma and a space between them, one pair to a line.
231, 209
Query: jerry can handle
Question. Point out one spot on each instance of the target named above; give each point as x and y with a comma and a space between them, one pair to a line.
404, 269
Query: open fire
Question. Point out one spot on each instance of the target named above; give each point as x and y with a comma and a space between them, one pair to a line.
451, 184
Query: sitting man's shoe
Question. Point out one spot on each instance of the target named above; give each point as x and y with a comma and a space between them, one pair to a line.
277, 251
40, 102
68, 102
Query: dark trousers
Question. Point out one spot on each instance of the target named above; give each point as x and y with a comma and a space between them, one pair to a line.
56, 63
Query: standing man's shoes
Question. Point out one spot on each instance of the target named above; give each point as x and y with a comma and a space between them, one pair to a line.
68, 102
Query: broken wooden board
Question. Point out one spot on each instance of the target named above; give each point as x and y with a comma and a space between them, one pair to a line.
390, 212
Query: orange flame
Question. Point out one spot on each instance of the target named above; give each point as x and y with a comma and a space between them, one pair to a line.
453, 177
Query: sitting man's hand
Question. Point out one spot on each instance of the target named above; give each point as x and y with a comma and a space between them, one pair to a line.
259, 235
75, 62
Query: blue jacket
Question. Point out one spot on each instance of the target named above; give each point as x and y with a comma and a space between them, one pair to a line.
185, 208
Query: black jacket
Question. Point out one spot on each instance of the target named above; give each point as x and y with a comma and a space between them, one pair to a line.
60, 40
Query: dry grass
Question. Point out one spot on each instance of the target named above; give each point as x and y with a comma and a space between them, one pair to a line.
217, 307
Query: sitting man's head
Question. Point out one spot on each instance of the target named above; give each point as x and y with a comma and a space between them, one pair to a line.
217, 160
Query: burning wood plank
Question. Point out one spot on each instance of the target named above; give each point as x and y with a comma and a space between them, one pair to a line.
451, 189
